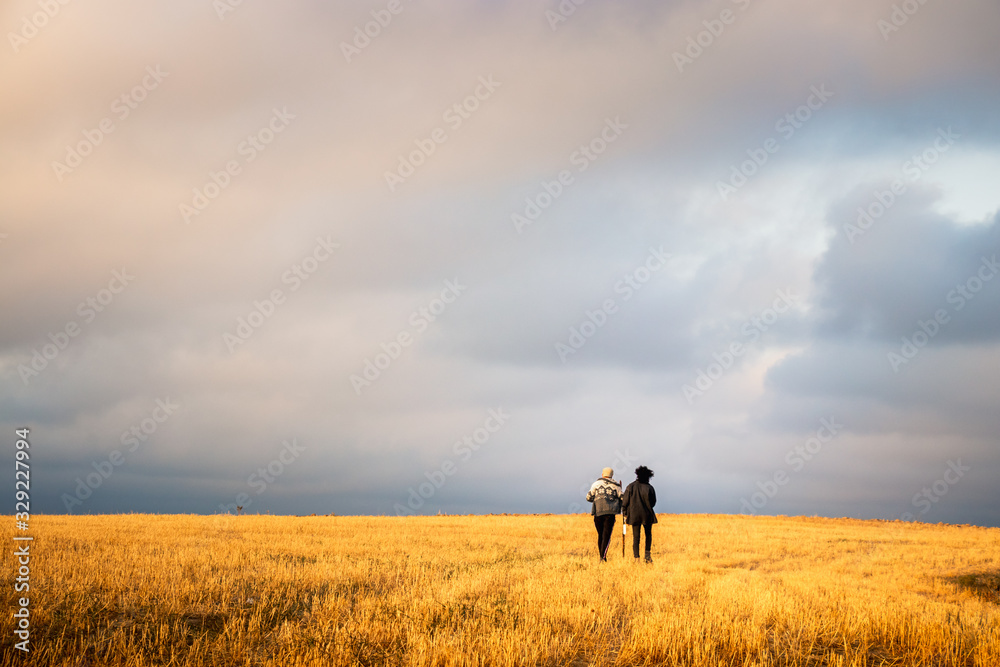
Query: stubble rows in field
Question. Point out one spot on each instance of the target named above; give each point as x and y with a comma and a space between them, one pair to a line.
505, 590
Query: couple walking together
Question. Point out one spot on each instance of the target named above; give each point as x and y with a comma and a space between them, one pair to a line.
636, 506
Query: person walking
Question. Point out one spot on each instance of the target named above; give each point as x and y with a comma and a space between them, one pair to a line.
637, 506
606, 495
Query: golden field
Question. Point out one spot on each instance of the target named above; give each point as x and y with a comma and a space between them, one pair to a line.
504, 590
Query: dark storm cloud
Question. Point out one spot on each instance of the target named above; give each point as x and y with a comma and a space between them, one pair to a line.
882, 276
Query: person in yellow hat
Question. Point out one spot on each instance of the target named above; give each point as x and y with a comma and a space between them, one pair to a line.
606, 495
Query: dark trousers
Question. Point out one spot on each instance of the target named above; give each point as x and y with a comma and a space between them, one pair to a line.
605, 526
648, 529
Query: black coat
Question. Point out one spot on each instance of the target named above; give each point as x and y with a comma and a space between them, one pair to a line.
638, 503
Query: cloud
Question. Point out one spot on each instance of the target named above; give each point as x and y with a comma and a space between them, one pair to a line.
205, 137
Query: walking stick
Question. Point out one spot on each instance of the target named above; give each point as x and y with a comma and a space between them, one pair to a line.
623, 530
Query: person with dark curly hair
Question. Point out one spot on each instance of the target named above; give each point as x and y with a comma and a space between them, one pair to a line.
637, 506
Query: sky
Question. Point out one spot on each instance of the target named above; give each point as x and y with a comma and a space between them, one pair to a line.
401, 257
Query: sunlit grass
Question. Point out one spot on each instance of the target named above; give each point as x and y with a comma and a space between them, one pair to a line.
504, 590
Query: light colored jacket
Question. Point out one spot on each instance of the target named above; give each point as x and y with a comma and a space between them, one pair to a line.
606, 494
